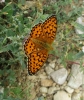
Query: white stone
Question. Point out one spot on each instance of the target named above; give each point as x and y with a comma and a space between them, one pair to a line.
43, 89
62, 95
51, 90
80, 21
68, 89
83, 49
59, 76
49, 70
76, 79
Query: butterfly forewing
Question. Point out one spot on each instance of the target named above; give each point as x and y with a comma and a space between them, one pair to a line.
29, 45
49, 29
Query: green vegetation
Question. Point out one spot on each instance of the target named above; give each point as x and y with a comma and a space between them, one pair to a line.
16, 22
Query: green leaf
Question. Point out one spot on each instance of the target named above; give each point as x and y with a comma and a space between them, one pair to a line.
79, 26
78, 55
8, 9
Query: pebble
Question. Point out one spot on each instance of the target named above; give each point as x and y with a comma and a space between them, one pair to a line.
43, 89
1, 89
51, 90
59, 76
76, 79
77, 96
34, 94
46, 82
49, 70
68, 89
62, 95
80, 21
52, 64
42, 76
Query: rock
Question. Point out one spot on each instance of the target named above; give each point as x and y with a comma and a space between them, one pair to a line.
42, 76
52, 64
46, 82
49, 70
76, 79
80, 21
51, 90
1, 1
34, 94
68, 89
62, 95
59, 76
77, 96
43, 89
33, 77
1, 90
49, 97
78, 89
83, 49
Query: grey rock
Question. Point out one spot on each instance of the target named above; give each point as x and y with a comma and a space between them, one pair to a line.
59, 76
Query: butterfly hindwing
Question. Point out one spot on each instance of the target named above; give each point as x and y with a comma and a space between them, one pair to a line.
36, 61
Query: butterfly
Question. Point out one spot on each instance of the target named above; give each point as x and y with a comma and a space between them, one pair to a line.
38, 44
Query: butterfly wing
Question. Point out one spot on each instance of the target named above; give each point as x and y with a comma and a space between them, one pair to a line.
36, 61
29, 45
49, 29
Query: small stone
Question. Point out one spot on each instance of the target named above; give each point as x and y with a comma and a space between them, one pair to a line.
57, 88
57, 67
76, 79
61, 66
77, 90
44, 94
77, 96
62, 95
68, 89
43, 89
49, 97
34, 94
42, 76
51, 90
49, 70
52, 64
33, 77
54, 84
46, 82
59, 76
80, 20
1, 89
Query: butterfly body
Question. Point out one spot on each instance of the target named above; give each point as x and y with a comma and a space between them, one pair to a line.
36, 47
42, 44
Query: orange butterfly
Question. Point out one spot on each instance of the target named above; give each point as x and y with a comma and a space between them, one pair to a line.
38, 44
